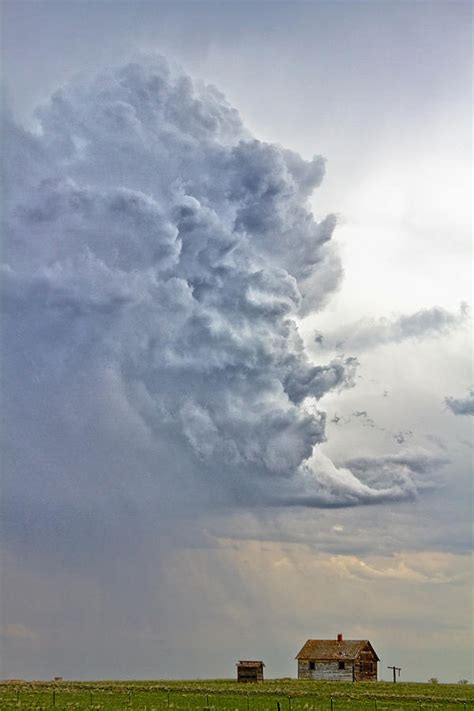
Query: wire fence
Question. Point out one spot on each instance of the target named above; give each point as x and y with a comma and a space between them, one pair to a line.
129, 700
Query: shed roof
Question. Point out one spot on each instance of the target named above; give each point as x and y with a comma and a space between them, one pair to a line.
250, 663
332, 649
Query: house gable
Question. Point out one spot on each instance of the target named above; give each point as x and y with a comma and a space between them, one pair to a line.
374, 653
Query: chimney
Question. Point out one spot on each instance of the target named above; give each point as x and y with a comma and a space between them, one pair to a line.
339, 637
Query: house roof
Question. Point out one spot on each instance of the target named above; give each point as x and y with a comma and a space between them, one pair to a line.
332, 649
251, 663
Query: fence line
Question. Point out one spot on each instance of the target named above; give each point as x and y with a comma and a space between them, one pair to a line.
188, 700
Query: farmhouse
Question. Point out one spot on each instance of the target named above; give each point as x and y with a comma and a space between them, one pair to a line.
250, 671
337, 660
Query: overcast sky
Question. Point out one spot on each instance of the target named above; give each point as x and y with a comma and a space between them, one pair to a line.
236, 354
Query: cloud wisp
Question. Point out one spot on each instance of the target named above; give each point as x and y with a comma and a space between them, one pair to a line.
461, 405
366, 333
157, 261
415, 467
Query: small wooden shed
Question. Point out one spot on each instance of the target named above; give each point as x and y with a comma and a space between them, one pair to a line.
250, 670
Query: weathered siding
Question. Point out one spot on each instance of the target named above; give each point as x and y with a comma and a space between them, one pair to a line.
250, 672
325, 671
249, 675
366, 666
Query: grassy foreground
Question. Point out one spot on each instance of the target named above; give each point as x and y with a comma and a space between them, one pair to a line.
224, 695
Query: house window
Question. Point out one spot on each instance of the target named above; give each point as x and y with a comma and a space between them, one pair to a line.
312, 666
342, 665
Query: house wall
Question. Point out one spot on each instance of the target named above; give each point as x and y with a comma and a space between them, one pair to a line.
325, 671
366, 666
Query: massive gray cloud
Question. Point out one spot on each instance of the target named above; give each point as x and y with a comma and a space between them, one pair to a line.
370, 333
156, 263
461, 405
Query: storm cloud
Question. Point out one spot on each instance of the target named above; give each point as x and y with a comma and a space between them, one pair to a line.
370, 333
157, 261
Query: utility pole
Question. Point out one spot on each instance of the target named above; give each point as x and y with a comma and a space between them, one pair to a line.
395, 670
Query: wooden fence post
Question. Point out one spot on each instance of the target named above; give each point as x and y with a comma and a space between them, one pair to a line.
332, 704
54, 697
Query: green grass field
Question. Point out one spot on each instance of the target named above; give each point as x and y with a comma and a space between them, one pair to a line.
222, 695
